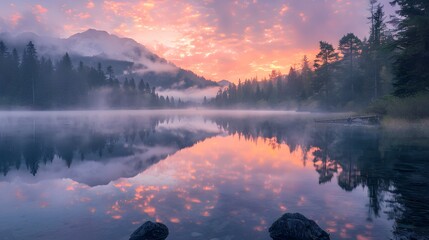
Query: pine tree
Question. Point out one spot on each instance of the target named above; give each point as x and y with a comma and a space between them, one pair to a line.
376, 37
132, 84
412, 44
141, 86
46, 90
66, 87
323, 65
351, 48
4, 58
14, 80
306, 77
126, 85
293, 86
30, 71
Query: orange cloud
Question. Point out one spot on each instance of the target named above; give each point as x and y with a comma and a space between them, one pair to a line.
194, 37
115, 7
218, 39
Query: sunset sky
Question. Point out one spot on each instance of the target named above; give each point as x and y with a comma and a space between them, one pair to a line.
219, 39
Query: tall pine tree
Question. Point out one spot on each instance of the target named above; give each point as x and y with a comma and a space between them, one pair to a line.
30, 74
412, 44
324, 67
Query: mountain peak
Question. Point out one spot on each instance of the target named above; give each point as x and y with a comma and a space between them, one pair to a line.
224, 83
27, 35
92, 33
127, 55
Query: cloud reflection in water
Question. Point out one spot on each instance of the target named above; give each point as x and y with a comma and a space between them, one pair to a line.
222, 185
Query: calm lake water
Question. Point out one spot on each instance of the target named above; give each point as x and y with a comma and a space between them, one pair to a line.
207, 175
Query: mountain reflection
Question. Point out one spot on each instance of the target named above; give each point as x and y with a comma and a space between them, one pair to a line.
222, 176
75, 140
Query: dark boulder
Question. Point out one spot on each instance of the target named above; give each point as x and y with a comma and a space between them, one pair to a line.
294, 226
150, 231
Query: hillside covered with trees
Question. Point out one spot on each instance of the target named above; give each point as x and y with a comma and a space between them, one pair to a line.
384, 73
28, 81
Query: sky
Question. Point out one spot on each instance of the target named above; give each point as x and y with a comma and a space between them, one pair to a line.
218, 39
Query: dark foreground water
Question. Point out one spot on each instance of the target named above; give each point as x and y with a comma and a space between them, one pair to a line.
207, 175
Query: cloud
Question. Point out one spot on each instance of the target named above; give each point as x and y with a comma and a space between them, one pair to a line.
220, 39
39, 9
284, 9
30, 22
83, 15
90, 5
233, 39
15, 18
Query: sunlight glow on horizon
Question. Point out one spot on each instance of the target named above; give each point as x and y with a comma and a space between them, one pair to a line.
216, 39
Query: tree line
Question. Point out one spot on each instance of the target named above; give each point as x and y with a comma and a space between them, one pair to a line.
30, 81
390, 62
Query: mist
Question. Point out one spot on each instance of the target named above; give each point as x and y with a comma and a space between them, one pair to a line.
322, 110
92, 43
193, 94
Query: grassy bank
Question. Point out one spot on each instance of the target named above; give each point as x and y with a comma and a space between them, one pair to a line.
411, 108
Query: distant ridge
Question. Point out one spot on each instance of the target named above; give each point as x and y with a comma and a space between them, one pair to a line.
224, 83
127, 57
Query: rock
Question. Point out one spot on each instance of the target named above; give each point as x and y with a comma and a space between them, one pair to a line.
150, 231
294, 226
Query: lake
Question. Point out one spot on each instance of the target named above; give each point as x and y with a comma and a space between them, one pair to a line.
216, 175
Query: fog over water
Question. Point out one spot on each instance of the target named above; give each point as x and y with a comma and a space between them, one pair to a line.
207, 174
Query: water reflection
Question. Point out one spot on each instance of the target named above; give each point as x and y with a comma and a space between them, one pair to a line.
100, 149
208, 177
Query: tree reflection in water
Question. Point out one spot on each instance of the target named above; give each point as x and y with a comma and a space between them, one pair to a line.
390, 164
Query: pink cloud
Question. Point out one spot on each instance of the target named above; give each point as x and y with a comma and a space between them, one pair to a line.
39, 9
116, 8
69, 12
219, 39
15, 18
284, 9
90, 4
83, 15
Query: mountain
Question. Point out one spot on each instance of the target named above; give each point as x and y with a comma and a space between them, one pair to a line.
127, 57
91, 150
94, 43
224, 83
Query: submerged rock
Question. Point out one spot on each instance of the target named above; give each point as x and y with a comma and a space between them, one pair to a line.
150, 231
294, 226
